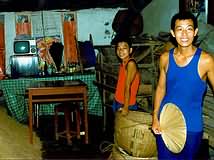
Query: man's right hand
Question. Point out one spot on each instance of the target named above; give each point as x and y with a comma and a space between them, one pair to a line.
156, 126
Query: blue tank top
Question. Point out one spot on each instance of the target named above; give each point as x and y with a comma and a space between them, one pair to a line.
186, 89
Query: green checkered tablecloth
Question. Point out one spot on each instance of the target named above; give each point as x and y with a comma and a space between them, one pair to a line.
14, 93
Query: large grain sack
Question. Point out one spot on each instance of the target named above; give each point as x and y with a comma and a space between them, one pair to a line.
118, 154
134, 135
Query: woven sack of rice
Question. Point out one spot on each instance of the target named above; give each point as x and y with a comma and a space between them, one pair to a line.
119, 154
134, 135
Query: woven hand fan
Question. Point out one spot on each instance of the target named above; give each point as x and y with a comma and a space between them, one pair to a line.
173, 127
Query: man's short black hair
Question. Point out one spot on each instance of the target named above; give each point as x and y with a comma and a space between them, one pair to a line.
183, 16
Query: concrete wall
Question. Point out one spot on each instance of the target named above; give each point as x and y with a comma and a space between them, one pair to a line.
157, 15
97, 22
10, 34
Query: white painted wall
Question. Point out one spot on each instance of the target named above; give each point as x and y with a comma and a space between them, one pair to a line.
10, 33
157, 16
97, 22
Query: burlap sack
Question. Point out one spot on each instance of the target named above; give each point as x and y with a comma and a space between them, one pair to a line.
134, 135
119, 154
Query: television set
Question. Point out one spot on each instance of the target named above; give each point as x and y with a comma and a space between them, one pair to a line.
25, 46
24, 65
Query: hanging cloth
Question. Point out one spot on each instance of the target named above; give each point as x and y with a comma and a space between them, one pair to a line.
23, 28
70, 46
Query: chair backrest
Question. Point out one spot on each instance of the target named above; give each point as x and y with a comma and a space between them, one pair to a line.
87, 54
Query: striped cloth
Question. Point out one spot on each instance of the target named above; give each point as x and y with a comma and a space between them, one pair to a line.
16, 100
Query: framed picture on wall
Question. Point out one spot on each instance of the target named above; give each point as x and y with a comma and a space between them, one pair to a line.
69, 17
23, 24
22, 18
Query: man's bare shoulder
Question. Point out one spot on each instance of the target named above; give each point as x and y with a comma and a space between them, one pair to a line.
206, 62
207, 57
165, 53
164, 57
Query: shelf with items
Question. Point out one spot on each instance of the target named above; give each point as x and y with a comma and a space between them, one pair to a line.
146, 56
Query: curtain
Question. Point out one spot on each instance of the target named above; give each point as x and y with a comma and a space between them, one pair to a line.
2, 49
23, 28
70, 43
23, 24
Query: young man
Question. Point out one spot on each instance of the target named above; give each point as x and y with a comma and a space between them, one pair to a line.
184, 71
128, 78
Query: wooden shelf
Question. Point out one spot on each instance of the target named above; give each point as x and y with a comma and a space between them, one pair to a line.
107, 73
105, 86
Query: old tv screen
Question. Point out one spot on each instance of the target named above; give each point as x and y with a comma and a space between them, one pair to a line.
21, 47
27, 46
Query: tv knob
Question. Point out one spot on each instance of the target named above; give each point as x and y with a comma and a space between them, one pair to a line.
33, 50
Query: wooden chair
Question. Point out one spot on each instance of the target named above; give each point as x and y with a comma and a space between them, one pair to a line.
67, 109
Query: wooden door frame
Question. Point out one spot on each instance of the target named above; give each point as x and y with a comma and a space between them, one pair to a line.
2, 48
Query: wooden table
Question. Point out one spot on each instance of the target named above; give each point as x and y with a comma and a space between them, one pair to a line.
57, 91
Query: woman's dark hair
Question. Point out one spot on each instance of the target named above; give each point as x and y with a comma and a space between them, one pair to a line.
183, 16
124, 39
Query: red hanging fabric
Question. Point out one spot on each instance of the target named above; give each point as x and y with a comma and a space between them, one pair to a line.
70, 46
23, 28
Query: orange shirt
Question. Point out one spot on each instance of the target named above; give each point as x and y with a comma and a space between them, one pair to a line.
119, 94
